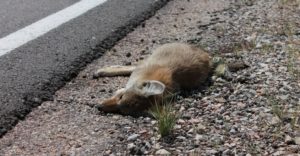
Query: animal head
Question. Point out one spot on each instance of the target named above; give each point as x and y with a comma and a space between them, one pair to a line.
138, 97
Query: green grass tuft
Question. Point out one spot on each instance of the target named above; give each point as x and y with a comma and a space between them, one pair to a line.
166, 116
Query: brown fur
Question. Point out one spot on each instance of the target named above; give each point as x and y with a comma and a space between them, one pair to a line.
176, 65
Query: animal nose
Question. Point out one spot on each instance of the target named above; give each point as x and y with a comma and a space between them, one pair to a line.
99, 106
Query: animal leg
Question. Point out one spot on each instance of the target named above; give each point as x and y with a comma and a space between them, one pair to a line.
114, 71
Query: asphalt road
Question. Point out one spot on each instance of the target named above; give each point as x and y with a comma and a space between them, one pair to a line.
16, 14
31, 73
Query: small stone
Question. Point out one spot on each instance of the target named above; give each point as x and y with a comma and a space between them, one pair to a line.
37, 100
162, 152
283, 97
199, 137
127, 63
116, 117
232, 131
282, 69
297, 140
200, 127
133, 137
157, 146
211, 151
131, 146
191, 130
220, 100
186, 116
102, 90
177, 126
275, 120
143, 131
108, 152
128, 54
180, 121
288, 140
153, 122
194, 121
181, 138
241, 105
228, 152
147, 144
278, 153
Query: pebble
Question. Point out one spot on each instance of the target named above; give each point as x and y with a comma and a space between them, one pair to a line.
162, 152
133, 137
182, 138
288, 140
131, 146
297, 140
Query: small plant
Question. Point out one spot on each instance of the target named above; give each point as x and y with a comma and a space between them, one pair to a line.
293, 62
267, 48
295, 3
276, 108
166, 116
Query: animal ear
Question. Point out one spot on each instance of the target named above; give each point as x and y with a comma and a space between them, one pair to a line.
119, 92
152, 87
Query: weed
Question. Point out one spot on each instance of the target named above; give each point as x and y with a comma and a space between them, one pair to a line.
276, 108
266, 48
291, 116
293, 66
166, 116
294, 3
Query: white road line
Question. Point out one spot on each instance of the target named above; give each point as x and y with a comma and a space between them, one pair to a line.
41, 27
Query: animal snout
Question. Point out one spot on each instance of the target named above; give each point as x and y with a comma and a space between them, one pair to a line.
99, 106
107, 106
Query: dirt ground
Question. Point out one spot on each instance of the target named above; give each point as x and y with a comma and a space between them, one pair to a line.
254, 113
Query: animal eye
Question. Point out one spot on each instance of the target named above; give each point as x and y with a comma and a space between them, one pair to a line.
121, 97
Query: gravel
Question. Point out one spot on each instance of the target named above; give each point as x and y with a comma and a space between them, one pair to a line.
255, 112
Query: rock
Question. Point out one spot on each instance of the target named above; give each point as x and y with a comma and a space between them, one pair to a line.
147, 145
217, 139
153, 122
241, 105
177, 126
211, 152
232, 131
288, 140
182, 138
133, 137
283, 97
200, 128
220, 100
221, 70
128, 54
194, 121
200, 137
297, 140
131, 146
108, 152
186, 116
278, 153
275, 120
142, 131
180, 121
156, 146
228, 152
162, 152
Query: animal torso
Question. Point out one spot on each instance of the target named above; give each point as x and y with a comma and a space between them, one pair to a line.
177, 65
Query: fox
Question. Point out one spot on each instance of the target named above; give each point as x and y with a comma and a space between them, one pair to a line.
170, 68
